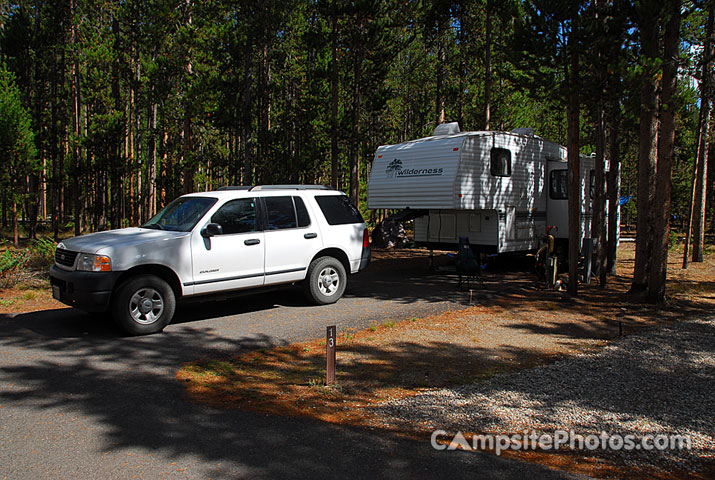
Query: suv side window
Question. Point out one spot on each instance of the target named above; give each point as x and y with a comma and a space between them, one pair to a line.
339, 210
281, 213
301, 212
237, 216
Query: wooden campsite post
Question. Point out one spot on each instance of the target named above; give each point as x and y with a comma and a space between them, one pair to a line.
330, 337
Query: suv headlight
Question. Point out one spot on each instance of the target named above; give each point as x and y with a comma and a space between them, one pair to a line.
88, 262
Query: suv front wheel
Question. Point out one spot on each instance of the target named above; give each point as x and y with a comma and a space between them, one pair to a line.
325, 282
143, 304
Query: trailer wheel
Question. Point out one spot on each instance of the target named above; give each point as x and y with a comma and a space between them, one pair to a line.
325, 281
143, 304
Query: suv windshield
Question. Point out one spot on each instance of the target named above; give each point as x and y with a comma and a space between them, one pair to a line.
181, 215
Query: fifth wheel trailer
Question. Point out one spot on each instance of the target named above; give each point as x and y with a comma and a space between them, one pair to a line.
499, 189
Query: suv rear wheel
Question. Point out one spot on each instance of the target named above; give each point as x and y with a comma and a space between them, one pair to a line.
143, 304
326, 280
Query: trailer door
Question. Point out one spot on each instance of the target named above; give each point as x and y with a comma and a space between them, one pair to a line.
557, 209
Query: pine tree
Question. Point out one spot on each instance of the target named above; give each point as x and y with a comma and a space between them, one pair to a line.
18, 154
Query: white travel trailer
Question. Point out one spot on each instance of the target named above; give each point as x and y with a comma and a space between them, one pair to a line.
499, 189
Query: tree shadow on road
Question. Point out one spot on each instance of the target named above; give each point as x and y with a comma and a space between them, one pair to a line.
127, 388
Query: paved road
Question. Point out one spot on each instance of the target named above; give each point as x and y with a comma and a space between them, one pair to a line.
80, 400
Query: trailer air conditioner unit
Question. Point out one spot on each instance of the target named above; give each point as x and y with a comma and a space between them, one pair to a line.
446, 129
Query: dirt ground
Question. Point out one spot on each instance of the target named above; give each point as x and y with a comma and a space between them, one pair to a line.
512, 324
22, 299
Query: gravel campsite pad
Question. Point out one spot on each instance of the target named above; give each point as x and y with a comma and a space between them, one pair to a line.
654, 383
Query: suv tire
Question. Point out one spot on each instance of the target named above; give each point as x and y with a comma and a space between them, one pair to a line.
326, 280
143, 304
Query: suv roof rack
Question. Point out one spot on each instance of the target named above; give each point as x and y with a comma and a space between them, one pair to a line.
234, 188
290, 187
277, 187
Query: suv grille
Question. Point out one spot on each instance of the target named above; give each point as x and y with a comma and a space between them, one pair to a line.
65, 257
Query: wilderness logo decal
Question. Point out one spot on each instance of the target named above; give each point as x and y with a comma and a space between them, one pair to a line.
395, 169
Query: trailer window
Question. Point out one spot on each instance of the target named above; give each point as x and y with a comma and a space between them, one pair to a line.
558, 185
500, 165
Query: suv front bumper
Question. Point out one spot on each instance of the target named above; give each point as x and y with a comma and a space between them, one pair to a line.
89, 291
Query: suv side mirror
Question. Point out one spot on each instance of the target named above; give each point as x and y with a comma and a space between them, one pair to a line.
211, 229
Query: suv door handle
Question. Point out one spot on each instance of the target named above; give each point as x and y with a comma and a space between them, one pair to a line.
252, 241
310, 235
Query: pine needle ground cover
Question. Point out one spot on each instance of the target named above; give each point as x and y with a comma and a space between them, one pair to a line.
519, 329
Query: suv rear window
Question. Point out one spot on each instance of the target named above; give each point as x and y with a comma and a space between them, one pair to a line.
339, 210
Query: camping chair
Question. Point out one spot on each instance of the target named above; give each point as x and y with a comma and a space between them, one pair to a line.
467, 265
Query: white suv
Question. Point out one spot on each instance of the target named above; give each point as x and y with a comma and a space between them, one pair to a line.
231, 239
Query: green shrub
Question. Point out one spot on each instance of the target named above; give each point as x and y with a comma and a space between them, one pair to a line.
26, 266
672, 240
42, 253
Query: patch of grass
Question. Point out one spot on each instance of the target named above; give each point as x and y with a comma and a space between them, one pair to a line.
315, 382
372, 327
389, 324
8, 302
221, 368
29, 295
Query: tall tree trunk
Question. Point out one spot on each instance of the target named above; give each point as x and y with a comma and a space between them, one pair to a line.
56, 151
614, 192
116, 163
33, 179
188, 162
131, 112
696, 218
138, 210
647, 153
598, 230
15, 229
574, 167
666, 151
488, 66
598, 227
247, 117
699, 199
355, 138
264, 138
151, 157
441, 62
334, 159
76, 120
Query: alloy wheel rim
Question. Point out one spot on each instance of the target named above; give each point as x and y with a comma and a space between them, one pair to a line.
328, 281
146, 306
